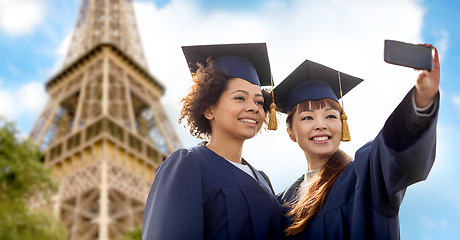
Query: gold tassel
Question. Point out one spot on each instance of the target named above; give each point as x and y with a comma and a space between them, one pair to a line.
272, 123
345, 131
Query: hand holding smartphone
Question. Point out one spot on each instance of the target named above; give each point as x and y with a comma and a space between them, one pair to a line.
408, 55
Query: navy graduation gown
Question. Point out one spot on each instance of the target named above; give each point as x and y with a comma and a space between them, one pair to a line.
364, 201
197, 194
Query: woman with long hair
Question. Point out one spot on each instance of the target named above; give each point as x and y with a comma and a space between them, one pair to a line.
342, 198
210, 191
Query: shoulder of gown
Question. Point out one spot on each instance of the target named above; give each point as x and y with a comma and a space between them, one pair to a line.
177, 178
197, 194
290, 193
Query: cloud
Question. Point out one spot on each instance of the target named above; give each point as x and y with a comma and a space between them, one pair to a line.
61, 54
6, 108
26, 101
20, 16
343, 35
429, 224
32, 97
442, 42
456, 101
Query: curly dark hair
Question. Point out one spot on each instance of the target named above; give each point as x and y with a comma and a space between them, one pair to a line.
208, 85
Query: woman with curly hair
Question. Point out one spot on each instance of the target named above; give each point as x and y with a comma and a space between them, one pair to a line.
210, 191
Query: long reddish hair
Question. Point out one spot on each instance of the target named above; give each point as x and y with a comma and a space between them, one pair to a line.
307, 206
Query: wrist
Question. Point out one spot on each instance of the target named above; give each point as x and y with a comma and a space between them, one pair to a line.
423, 101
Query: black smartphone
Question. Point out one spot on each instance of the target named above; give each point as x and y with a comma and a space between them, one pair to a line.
408, 55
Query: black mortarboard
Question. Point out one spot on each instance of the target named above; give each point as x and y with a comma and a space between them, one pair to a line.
248, 61
312, 81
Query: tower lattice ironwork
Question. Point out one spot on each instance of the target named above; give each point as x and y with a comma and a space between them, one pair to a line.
103, 131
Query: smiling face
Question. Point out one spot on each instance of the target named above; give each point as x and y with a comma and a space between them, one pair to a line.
239, 113
317, 129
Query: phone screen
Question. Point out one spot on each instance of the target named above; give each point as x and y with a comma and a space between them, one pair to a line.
408, 55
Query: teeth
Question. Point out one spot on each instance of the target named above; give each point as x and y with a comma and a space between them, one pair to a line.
324, 138
248, 120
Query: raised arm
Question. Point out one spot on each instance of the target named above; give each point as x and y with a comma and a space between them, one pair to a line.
404, 151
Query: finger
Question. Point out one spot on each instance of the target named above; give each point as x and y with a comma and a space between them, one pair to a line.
422, 76
436, 59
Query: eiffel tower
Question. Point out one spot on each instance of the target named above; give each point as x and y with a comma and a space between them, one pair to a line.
103, 131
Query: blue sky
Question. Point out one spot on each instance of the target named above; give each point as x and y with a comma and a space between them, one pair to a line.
346, 35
